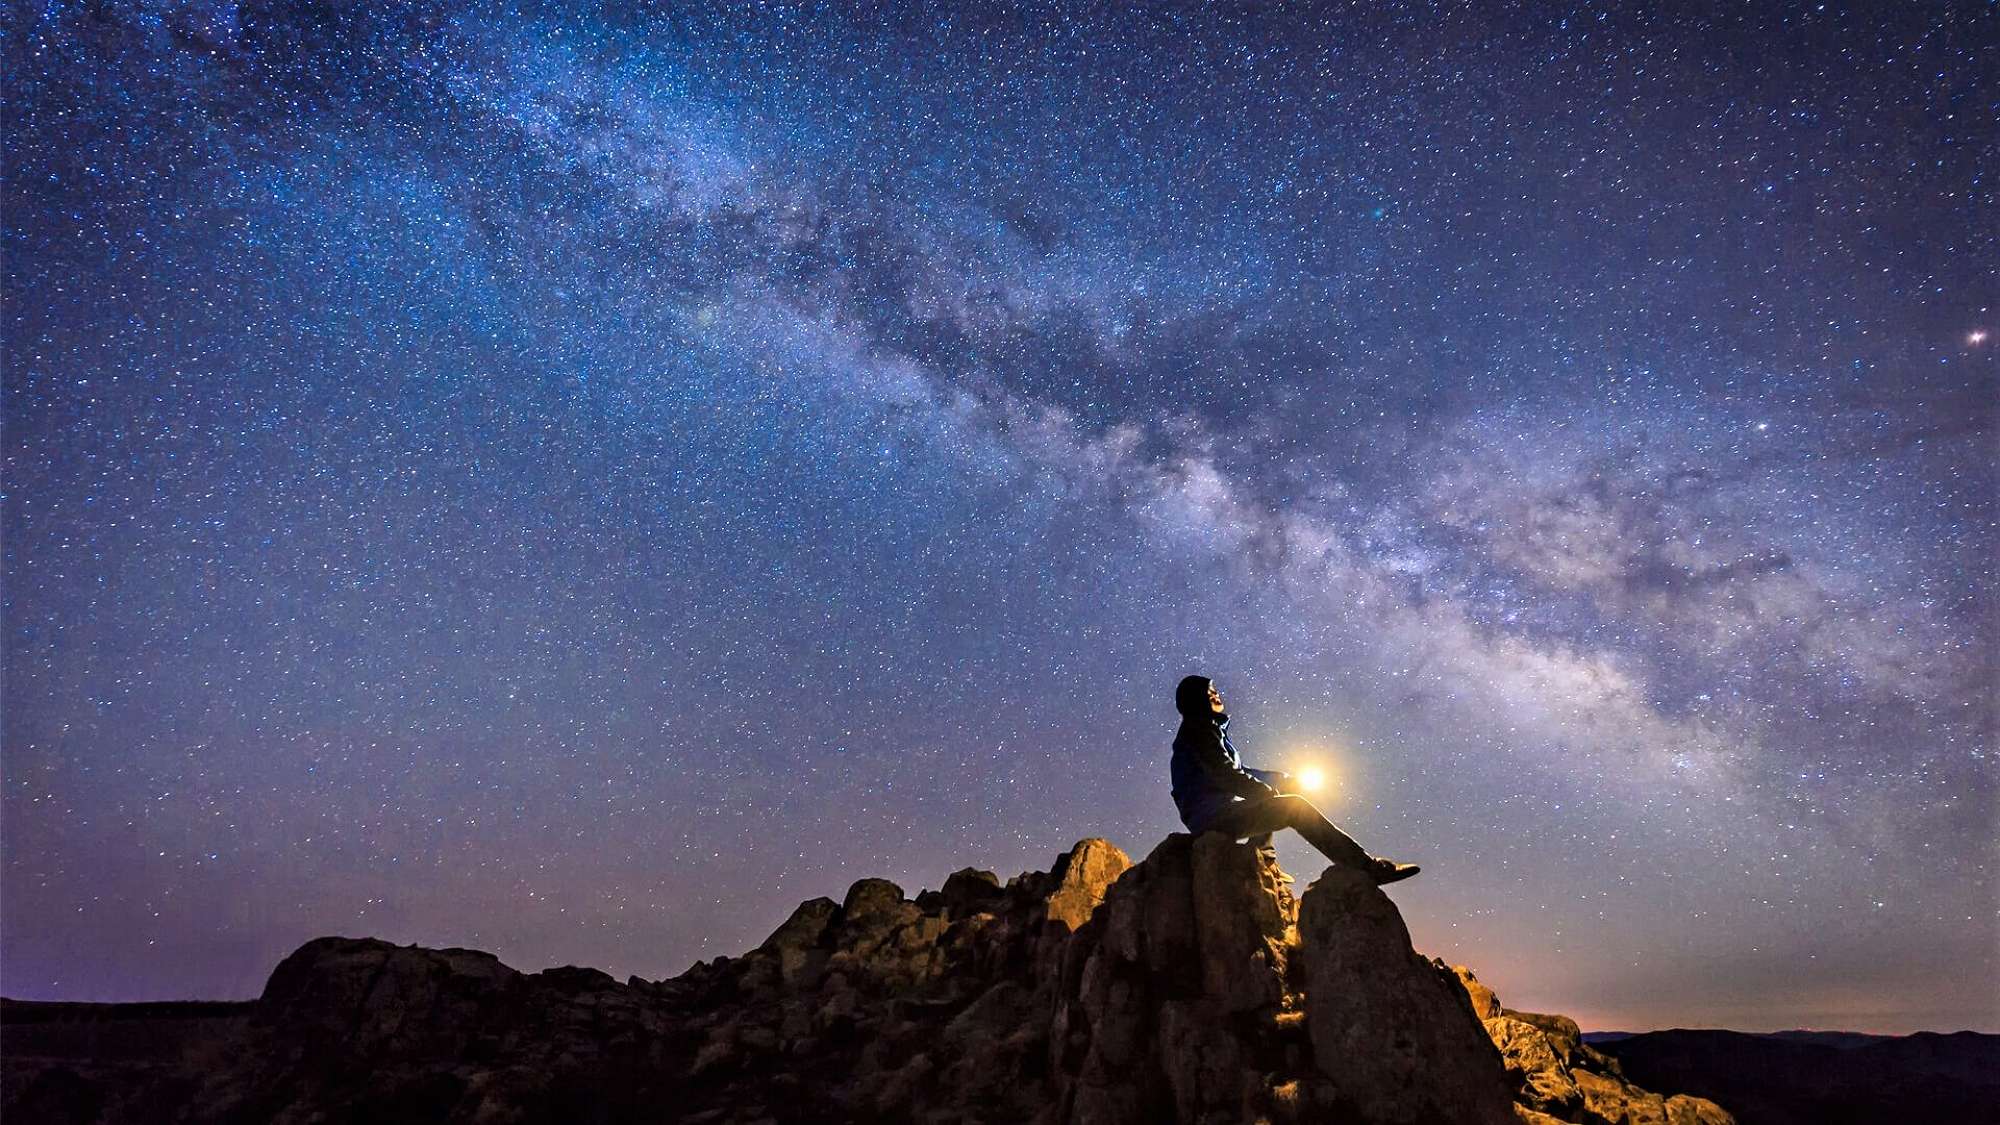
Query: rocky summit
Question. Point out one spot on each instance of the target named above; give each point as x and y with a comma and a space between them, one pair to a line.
1189, 987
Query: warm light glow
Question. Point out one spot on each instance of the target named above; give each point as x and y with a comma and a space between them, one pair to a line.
1976, 337
1312, 779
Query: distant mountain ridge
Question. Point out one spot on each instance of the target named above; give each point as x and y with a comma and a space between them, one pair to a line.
1824, 1077
1842, 1039
1189, 987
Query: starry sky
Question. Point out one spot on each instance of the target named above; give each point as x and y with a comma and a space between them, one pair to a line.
575, 484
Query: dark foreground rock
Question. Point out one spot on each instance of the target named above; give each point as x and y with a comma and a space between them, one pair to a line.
1191, 987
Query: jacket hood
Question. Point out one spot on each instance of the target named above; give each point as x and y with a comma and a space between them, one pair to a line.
1191, 699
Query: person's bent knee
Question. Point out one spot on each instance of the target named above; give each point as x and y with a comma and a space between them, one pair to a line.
1296, 808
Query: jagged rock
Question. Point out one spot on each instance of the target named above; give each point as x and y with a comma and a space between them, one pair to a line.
1556, 1076
1540, 1076
1485, 1004
1244, 924
872, 900
1189, 987
796, 943
1607, 1101
1143, 1030
805, 926
966, 891
1082, 875
1564, 1037
1685, 1109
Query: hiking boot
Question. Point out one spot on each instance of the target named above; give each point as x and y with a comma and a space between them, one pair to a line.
1389, 871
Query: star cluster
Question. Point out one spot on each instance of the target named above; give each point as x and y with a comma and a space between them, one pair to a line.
576, 483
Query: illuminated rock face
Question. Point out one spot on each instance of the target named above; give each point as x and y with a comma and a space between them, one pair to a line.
1556, 1076
1190, 987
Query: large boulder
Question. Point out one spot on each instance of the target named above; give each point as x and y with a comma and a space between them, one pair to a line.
1172, 1004
1541, 1079
1394, 1032
378, 999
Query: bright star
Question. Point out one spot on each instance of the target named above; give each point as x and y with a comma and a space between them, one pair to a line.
1976, 336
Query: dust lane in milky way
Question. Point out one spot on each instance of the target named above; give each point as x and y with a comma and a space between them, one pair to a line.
575, 485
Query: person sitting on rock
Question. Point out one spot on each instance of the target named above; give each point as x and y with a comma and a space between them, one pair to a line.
1216, 792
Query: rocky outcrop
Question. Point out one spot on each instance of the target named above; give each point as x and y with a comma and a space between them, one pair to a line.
1189, 987
1196, 994
1556, 1076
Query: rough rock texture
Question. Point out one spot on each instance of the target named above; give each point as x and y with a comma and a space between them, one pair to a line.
1555, 1076
1173, 1004
1190, 987
1396, 1032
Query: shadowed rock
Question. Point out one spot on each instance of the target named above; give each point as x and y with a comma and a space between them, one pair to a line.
1395, 1033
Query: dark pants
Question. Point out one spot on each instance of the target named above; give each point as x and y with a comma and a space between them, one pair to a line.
1261, 816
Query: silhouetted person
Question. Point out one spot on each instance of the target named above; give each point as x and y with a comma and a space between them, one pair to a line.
1216, 792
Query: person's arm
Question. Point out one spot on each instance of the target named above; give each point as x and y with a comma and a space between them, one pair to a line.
1276, 779
1227, 776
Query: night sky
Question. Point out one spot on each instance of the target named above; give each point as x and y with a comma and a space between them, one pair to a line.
576, 485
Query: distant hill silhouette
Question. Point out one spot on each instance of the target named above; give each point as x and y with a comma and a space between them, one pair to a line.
1824, 1077
1190, 987
1825, 1038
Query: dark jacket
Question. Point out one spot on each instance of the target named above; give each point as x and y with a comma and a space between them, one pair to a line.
1207, 773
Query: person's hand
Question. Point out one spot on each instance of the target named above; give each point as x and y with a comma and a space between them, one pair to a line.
1284, 783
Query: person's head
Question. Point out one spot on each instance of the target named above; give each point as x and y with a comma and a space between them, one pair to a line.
1197, 697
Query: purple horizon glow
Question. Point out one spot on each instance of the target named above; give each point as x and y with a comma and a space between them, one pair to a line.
576, 485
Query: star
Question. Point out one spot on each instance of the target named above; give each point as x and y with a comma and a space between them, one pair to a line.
661, 456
